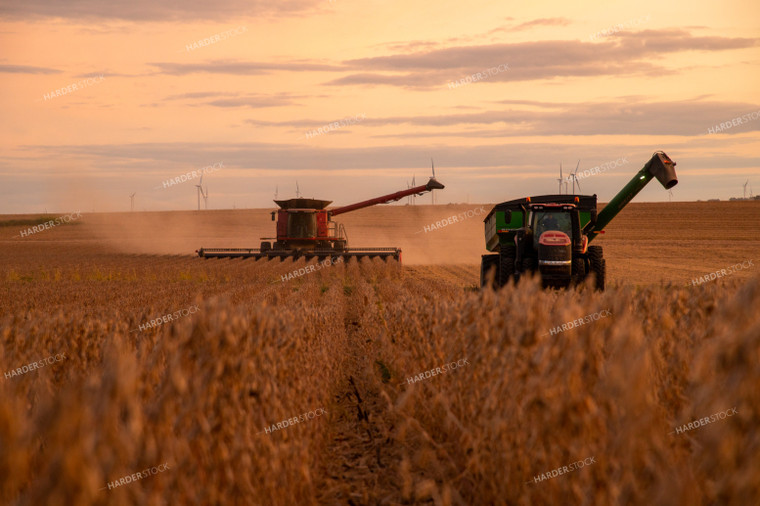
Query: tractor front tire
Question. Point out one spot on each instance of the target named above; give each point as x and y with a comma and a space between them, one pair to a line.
598, 266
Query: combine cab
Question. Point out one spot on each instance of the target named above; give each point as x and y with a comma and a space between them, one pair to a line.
550, 234
305, 229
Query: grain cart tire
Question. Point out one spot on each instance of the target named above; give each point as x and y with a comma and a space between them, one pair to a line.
489, 263
579, 270
598, 266
506, 264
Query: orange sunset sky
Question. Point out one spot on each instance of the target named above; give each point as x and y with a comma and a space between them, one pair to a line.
165, 106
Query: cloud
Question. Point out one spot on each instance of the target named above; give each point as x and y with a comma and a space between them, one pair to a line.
527, 25
151, 10
629, 115
235, 67
620, 54
625, 116
170, 157
623, 53
27, 69
229, 99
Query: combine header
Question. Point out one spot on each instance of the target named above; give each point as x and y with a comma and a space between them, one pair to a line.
305, 229
550, 234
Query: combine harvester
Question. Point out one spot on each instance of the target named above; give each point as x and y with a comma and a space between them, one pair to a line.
550, 234
305, 229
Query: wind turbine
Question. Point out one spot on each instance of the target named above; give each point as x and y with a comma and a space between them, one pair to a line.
276, 192
561, 179
298, 191
575, 177
205, 198
414, 183
132, 202
200, 192
745, 188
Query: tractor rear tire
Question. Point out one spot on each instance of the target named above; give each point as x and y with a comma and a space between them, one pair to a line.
506, 264
598, 266
489, 263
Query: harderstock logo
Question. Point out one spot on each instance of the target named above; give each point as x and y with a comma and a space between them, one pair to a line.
50, 224
126, 480
563, 470
35, 365
704, 421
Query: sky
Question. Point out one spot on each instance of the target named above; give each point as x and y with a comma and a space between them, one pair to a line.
348, 100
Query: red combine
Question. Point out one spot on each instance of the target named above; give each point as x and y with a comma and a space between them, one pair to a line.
305, 229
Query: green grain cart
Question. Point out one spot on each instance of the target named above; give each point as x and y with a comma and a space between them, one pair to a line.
550, 234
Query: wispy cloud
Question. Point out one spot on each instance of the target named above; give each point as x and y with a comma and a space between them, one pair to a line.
27, 69
150, 10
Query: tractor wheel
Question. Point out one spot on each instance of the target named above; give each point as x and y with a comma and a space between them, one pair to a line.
528, 265
265, 246
598, 266
489, 263
579, 270
506, 264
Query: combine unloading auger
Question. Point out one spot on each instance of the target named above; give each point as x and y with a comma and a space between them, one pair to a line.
305, 229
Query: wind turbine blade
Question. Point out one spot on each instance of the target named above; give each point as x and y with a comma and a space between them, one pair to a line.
432, 164
576, 168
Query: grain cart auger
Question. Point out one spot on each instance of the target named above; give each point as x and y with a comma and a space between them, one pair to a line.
550, 234
305, 229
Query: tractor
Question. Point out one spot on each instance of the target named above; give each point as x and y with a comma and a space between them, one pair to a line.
550, 235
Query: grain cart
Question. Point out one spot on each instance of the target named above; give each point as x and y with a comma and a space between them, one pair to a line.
550, 234
305, 229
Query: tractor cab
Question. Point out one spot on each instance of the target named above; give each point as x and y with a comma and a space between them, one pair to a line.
556, 221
